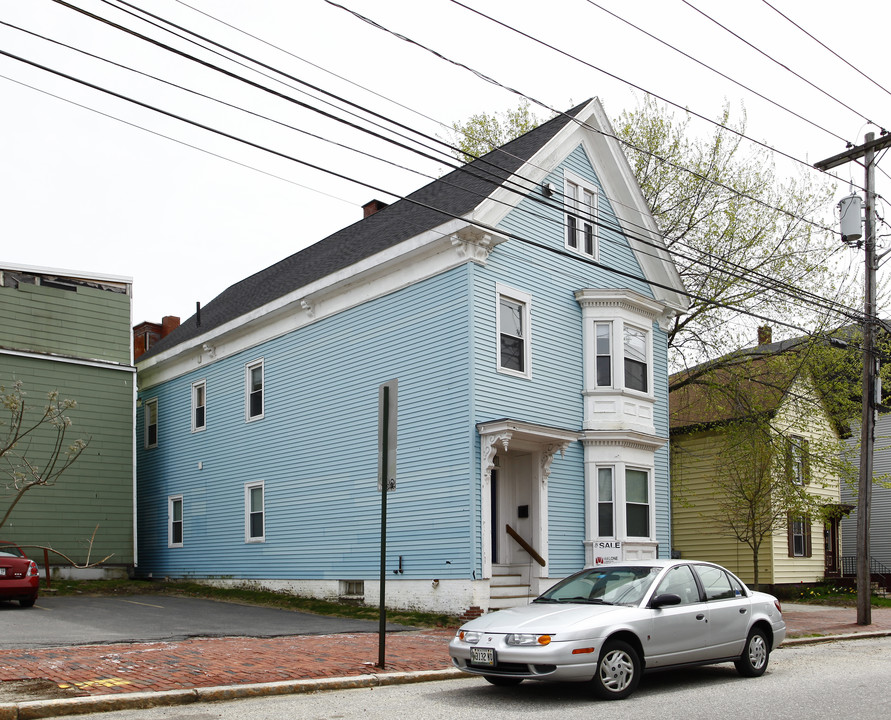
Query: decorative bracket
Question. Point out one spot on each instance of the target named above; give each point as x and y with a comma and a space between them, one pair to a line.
476, 249
547, 457
489, 449
308, 307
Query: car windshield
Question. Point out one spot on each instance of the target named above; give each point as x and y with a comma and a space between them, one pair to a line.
608, 585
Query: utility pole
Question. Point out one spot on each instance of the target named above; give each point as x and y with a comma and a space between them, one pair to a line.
867, 429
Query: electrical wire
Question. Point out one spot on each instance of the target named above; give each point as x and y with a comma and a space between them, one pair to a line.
717, 72
748, 278
826, 47
777, 62
328, 171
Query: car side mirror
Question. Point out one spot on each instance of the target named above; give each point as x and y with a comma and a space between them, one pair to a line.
665, 599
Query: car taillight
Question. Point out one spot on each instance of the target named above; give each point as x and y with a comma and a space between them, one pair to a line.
779, 607
33, 570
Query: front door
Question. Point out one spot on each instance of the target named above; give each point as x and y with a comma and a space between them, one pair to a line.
513, 503
830, 539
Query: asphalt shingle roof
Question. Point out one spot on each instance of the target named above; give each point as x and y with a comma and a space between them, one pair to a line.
455, 194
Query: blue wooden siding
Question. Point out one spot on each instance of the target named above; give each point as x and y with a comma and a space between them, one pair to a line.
553, 395
316, 449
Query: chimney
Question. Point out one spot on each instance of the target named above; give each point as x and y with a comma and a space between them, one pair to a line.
370, 208
169, 323
146, 334
765, 335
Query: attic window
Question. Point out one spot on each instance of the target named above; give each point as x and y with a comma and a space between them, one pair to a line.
581, 205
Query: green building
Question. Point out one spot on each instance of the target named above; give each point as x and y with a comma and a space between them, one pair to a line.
70, 332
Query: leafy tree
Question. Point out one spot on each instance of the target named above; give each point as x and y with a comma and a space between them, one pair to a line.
738, 232
32, 443
482, 132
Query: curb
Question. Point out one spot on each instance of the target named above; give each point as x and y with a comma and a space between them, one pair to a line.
35, 709
815, 639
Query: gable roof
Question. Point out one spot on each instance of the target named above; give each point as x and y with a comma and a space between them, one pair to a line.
750, 386
453, 195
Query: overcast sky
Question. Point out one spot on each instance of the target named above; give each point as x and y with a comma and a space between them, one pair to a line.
94, 183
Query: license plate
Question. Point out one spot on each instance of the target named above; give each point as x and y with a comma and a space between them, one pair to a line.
482, 656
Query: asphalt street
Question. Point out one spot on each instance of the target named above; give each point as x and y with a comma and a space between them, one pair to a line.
59, 621
839, 679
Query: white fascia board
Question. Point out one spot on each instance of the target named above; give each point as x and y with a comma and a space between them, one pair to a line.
73, 274
53, 357
418, 258
632, 211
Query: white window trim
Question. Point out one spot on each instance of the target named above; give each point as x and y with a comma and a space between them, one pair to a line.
151, 402
651, 514
247, 390
247, 512
195, 386
620, 517
170, 500
525, 300
620, 349
570, 177
596, 507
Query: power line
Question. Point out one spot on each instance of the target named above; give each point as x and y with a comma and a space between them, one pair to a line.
822, 44
717, 72
777, 62
624, 142
328, 171
773, 285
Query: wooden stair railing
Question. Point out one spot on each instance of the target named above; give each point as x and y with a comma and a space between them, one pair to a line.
525, 545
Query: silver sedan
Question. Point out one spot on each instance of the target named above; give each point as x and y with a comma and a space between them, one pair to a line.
609, 624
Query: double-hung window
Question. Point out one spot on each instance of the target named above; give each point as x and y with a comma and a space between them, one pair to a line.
797, 467
151, 423
175, 521
603, 352
254, 513
605, 504
514, 350
635, 355
581, 216
799, 536
199, 400
253, 390
637, 503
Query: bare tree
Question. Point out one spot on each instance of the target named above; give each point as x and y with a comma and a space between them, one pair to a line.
33, 450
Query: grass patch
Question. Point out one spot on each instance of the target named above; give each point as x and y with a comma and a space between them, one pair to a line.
248, 596
829, 593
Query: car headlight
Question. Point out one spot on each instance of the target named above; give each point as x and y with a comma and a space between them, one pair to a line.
469, 637
527, 639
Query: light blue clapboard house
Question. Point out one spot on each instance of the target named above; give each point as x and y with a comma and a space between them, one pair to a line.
520, 302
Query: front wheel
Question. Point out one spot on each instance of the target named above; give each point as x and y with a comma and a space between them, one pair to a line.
503, 680
755, 654
618, 671
27, 602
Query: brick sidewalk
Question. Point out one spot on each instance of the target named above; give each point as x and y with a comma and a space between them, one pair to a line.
208, 662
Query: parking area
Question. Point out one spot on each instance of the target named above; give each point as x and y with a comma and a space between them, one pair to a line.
61, 621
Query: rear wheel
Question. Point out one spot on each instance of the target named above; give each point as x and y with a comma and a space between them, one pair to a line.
618, 671
503, 680
756, 653
27, 602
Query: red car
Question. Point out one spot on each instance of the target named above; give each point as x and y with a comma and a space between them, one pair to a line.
19, 576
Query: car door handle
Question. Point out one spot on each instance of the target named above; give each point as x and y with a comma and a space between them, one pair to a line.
743, 611
701, 617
